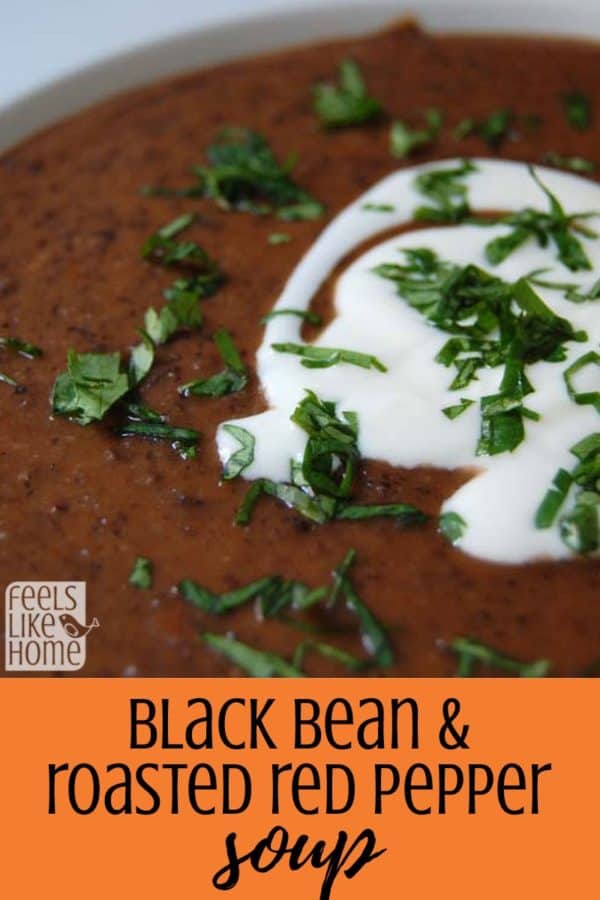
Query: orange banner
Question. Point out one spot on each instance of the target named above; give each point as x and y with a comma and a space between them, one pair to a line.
299, 789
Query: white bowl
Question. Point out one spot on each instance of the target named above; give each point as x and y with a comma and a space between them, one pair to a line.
303, 22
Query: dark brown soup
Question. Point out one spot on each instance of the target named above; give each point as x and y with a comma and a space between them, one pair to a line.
82, 503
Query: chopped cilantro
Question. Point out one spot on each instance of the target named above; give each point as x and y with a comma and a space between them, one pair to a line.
446, 191
243, 174
471, 652
404, 140
242, 458
232, 379
141, 574
578, 110
308, 316
314, 357
346, 103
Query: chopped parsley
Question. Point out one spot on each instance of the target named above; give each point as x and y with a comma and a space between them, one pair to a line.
91, 386
446, 192
404, 140
243, 174
314, 357
243, 457
453, 412
232, 379
578, 110
553, 226
570, 163
277, 597
278, 237
579, 528
141, 574
378, 207
203, 278
346, 103
311, 317
494, 129
452, 526
321, 485
140, 421
23, 348
471, 652
492, 323
258, 663
583, 398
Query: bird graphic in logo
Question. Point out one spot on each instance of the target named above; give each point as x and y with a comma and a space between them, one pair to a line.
74, 628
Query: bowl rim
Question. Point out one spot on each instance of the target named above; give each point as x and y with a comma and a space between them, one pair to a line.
268, 31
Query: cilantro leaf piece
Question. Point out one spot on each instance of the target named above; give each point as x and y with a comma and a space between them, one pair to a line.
6, 379
146, 423
494, 129
242, 458
141, 574
232, 379
452, 526
320, 486
374, 636
447, 193
580, 527
470, 652
314, 357
278, 237
311, 317
555, 226
258, 663
328, 651
453, 412
23, 348
346, 103
571, 163
243, 174
578, 110
404, 140
91, 385
583, 398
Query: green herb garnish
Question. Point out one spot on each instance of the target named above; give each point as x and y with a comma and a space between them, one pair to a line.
6, 379
311, 317
243, 174
232, 379
314, 357
452, 526
447, 193
321, 485
494, 129
23, 348
141, 574
453, 412
92, 384
492, 323
257, 663
378, 207
346, 103
278, 237
404, 140
553, 226
243, 457
146, 423
374, 636
579, 528
583, 398
569, 163
578, 110
471, 652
